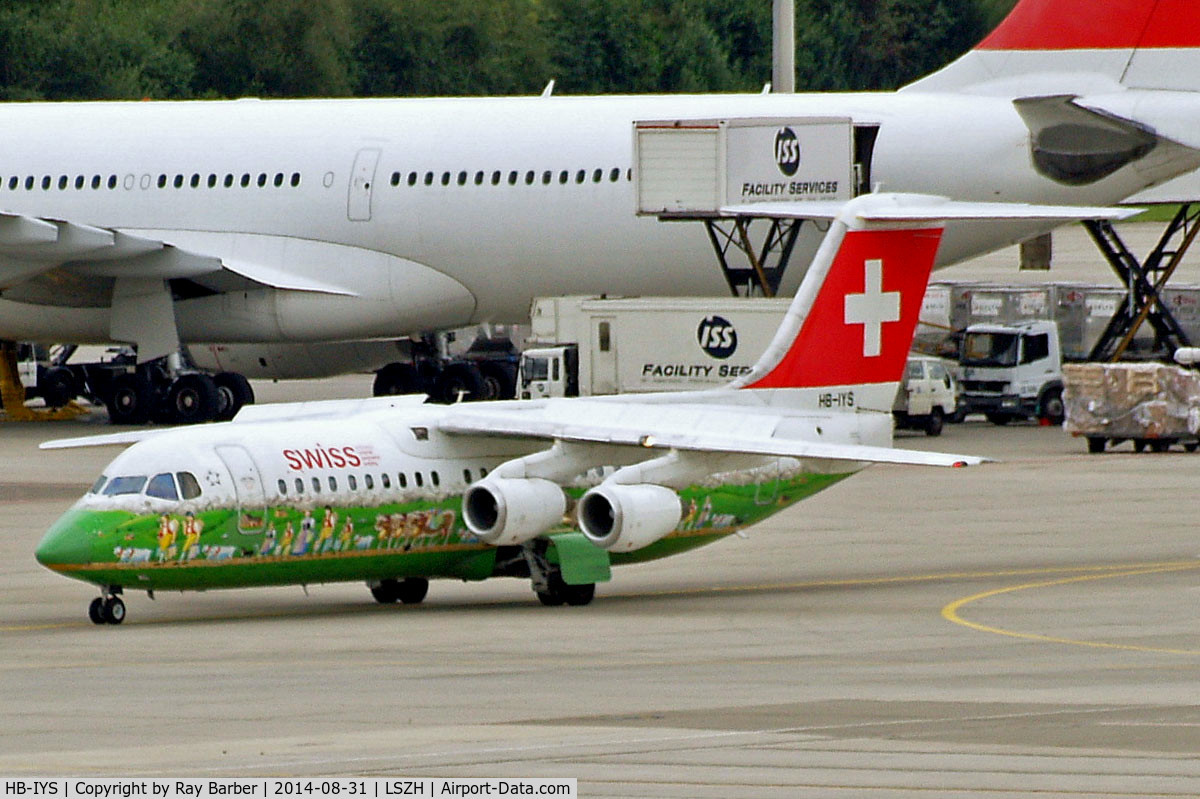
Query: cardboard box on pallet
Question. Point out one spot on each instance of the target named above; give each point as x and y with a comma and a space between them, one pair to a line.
1131, 400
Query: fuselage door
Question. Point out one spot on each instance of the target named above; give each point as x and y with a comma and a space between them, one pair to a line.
247, 485
362, 179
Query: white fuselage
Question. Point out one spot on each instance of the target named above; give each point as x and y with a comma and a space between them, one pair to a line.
464, 248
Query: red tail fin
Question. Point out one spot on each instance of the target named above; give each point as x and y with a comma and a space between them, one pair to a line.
860, 327
1097, 25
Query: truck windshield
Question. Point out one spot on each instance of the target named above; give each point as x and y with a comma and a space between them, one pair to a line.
990, 349
534, 369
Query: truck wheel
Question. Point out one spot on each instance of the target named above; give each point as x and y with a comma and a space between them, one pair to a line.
1096, 444
57, 387
1160, 445
1051, 405
934, 422
999, 418
233, 393
130, 399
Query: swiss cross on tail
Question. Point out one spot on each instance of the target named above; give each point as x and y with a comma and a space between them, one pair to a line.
861, 325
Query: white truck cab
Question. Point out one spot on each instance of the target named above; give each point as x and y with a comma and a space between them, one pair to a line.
927, 396
1012, 371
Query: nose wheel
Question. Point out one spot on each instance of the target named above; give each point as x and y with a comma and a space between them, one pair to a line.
107, 609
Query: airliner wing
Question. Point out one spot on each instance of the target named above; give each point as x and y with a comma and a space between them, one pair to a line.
31, 247
692, 428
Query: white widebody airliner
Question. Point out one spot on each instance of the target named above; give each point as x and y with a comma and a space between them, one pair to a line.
304, 222
394, 492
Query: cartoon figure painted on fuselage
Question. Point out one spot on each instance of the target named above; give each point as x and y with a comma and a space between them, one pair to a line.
167, 529
308, 526
192, 527
325, 538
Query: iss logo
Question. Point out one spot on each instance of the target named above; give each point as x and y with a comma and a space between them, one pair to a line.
717, 337
787, 151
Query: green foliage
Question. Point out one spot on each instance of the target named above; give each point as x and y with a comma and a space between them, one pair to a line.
110, 49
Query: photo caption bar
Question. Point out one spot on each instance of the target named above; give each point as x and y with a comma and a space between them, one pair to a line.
276, 788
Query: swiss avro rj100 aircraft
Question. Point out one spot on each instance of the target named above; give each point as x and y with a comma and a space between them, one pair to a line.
293, 224
393, 492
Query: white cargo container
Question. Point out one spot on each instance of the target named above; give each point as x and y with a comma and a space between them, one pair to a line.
583, 346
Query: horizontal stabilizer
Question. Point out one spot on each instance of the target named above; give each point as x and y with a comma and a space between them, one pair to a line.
923, 209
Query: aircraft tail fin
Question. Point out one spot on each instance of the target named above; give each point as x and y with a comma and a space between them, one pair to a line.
1137, 44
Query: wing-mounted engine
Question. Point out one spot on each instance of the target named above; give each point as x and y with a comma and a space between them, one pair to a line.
638, 504
503, 511
522, 499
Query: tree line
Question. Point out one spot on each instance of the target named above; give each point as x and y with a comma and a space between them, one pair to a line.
184, 49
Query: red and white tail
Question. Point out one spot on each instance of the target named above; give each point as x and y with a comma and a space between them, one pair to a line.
852, 321
1140, 44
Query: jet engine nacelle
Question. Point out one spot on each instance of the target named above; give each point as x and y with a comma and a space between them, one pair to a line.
622, 518
506, 511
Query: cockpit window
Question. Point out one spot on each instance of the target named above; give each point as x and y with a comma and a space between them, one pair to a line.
125, 485
99, 484
162, 486
189, 486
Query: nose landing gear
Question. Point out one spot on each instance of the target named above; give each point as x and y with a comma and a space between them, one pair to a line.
109, 608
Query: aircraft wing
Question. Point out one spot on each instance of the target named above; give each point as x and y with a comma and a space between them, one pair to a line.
81, 256
694, 428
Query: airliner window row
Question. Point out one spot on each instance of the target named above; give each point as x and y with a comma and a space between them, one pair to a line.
368, 482
178, 181
530, 176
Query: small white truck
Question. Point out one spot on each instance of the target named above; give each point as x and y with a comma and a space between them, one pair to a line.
927, 397
1012, 372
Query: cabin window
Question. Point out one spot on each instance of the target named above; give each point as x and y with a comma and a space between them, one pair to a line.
580, 176
162, 486
412, 178
353, 481
419, 480
29, 183
467, 476
546, 177
433, 478
562, 176
295, 178
445, 178
387, 481
98, 485
283, 488
178, 182
245, 179
512, 178
316, 484
212, 180
278, 179
482, 473
462, 178
162, 181
332, 483
299, 486
420, 433
228, 180
428, 178
403, 480
125, 485
529, 178
395, 178
45, 182
614, 175
262, 179
597, 176
370, 481
62, 182
195, 181
189, 486
479, 178
496, 178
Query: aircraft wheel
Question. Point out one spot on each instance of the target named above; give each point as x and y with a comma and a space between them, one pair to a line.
130, 400
1139, 444
397, 378
233, 393
1096, 444
579, 595
57, 387
550, 599
192, 398
113, 610
96, 610
386, 592
412, 590
460, 379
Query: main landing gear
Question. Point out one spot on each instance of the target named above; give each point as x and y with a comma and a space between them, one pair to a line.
108, 608
409, 591
548, 583
150, 393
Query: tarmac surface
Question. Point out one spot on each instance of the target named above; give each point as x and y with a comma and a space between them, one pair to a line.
1027, 626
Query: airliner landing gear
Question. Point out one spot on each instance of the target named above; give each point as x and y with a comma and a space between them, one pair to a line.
107, 609
155, 392
409, 591
558, 592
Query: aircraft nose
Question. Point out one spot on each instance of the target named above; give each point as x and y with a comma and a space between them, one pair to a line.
66, 543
